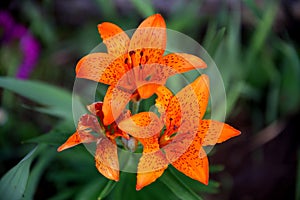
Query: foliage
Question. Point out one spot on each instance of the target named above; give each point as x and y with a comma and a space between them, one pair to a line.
261, 73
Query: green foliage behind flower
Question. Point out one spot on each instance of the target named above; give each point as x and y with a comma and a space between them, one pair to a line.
260, 69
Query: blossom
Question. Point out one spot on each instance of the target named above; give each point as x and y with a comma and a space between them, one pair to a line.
133, 67
106, 157
186, 132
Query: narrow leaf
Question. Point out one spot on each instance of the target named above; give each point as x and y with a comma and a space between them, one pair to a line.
13, 183
107, 189
36, 173
179, 188
57, 135
144, 7
42, 93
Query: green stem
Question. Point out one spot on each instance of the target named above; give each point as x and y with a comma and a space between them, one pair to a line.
135, 107
107, 189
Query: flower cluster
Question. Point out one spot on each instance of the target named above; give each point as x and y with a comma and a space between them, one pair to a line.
136, 68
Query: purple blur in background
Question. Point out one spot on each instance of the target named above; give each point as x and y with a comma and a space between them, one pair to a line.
28, 44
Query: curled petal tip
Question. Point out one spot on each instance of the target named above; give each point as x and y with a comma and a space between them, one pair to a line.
79, 64
138, 187
115, 178
64, 147
59, 149
158, 15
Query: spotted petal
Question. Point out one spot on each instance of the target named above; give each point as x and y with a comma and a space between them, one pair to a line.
115, 39
164, 96
182, 62
185, 153
194, 164
87, 123
114, 103
142, 125
101, 67
214, 132
188, 106
106, 159
148, 41
75, 139
152, 163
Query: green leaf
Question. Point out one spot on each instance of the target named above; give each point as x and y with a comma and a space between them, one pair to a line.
262, 31
290, 78
91, 189
13, 183
36, 173
216, 168
144, 7
54, 98
179, 188
199, 188
107, 189
125, 189
213, 38
57, 135
108, 9
65, 194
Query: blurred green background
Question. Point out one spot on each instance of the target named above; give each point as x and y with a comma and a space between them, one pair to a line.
255, 45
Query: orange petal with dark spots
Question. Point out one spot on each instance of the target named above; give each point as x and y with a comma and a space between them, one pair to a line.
214, 132
101, 67
151, 166
152, 163
142, 125
164, 96
106, 159
114, 104
193, 163
148, 42
115, 39
188, 106
88, 123
149, 77
75, 139
182, 62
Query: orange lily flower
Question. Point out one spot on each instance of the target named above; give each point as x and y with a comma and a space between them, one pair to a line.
181, 142
106, 157
134, 68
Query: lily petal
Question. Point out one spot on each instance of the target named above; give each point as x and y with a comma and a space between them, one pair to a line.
149, 77
148, 41
75, 139
88, 123
96, 109
149, 162
106, 159
152, 163
179, 144
147, 90
188, 106
164, 96
142, 125
214, 132
182, 62
101, 67
115, 39
193, 163
114, 103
